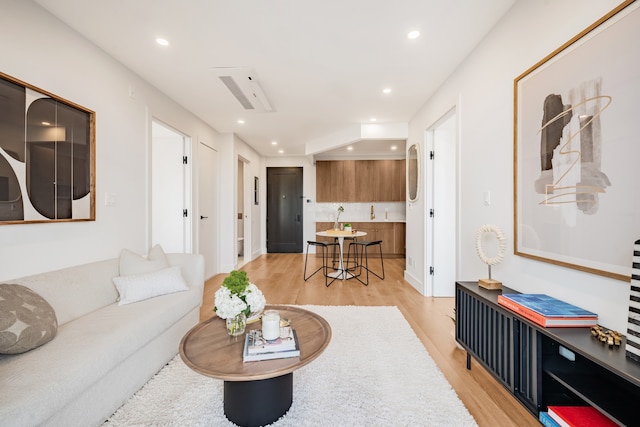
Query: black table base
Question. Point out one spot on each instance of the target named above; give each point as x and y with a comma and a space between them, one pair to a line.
258, 403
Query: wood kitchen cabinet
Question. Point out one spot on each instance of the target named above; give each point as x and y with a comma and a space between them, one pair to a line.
380, 181
392, 235
399, 232
399, 181
365, 177
379, 231
323, 181
335, 180
346, 173
360, 181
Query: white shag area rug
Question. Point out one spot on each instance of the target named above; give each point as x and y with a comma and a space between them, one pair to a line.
375, 372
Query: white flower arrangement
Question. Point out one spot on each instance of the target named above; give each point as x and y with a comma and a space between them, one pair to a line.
255, 299
237, 295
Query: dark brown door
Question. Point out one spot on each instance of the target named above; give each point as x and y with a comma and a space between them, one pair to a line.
284, 210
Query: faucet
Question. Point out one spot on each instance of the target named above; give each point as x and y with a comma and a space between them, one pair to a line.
372, 215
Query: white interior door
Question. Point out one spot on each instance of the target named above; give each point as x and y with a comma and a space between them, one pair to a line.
244, 204
169, 193
247, 220
240, 213
441, 207
208, 208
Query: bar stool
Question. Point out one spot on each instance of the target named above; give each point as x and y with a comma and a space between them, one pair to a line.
324, 247
364, 253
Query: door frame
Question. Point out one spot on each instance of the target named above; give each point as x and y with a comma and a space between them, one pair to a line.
212, 266
187, 226
433, 197
247, 207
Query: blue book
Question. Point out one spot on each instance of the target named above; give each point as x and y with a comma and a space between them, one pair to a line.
548, 306
547, 421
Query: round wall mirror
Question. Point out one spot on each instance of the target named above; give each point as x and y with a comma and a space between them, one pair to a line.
413, 169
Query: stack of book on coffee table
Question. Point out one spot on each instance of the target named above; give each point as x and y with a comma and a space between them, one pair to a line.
547, 311
257, 348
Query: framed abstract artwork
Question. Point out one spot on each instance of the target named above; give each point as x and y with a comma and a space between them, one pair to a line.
576, 150
47, 156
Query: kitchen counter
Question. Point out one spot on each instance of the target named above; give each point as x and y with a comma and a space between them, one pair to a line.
342, 221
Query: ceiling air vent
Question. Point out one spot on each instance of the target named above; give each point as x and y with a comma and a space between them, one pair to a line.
243, 85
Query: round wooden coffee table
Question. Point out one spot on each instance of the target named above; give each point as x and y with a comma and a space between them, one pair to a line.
255, 393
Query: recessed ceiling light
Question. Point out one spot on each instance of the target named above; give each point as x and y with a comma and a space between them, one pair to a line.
394, 147
240, 121
386, 90
349, 148
413, 34
162, 42
280, 151
274, 142
372, 119
46, 123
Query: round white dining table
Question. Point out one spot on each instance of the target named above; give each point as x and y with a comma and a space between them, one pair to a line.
342, 272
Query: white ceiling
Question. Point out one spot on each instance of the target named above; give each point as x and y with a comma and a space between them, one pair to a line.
322, 64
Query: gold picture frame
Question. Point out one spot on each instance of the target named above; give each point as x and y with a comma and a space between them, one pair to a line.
576, 150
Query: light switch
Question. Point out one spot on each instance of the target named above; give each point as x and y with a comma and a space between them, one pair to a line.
487, 198
109, 199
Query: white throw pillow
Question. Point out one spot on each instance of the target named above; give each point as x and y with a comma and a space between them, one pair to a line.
132, 263
139, 287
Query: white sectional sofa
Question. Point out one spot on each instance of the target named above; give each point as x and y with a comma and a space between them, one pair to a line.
103, 351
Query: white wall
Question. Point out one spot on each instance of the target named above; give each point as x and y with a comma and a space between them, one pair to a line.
482, 91
39, 49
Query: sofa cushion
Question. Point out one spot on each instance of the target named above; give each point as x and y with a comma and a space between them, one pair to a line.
139, 287
85, 350
76, 291
27, 321
132, 263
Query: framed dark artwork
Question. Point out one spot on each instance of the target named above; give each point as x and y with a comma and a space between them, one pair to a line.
256, 192
576, 150
47, 156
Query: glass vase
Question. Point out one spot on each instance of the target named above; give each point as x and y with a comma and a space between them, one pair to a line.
236, 325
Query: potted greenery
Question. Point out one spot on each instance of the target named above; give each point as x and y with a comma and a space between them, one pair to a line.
347, 226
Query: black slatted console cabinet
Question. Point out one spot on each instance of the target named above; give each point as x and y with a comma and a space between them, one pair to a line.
526, 359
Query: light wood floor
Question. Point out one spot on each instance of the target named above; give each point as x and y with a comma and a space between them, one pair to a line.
279, 276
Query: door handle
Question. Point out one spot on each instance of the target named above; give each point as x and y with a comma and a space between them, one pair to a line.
203, 217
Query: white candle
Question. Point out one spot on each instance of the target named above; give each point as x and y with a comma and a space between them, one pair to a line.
271, 325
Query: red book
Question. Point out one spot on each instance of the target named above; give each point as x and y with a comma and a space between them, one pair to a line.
547, 321
579, 416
